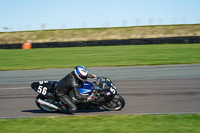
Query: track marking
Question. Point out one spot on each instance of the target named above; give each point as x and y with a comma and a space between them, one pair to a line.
76, 114
16, 88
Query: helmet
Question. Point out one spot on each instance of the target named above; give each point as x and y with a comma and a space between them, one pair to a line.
81, 72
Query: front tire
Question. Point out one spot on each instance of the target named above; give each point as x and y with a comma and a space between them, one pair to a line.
44, 107
116, 104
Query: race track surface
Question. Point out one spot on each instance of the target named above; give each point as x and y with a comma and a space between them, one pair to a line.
146, 90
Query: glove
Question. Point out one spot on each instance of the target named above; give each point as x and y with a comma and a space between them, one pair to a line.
93, 76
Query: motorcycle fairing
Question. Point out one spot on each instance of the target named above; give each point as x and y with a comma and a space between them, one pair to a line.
86, 88
45, 88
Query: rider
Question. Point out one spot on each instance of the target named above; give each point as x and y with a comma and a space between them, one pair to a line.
73, 81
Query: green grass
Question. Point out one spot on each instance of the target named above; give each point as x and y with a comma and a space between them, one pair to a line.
188, 123
100, 56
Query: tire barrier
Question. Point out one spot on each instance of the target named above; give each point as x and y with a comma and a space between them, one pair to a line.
144, 41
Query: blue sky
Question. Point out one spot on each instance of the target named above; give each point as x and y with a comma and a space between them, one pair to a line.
20, 13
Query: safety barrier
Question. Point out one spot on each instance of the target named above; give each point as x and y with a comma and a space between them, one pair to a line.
145, 41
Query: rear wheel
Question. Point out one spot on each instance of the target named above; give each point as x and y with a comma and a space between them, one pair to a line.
44, 107
116, 104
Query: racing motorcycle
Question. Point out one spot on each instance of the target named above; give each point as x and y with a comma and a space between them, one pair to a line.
47, 100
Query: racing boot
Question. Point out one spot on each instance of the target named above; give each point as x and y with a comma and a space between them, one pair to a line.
69, 103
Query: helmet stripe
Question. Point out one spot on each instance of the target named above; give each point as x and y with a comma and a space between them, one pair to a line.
81, 73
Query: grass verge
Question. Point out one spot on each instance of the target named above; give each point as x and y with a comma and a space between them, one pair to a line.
99, 56
188, 123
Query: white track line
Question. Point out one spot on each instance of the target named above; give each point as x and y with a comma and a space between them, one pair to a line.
52, 116
16, 88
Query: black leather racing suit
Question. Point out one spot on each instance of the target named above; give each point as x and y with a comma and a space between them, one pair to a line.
70, 82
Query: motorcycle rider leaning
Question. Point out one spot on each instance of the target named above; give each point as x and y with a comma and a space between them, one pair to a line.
73, 81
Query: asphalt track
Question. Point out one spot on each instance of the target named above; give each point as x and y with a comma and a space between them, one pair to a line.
146, 89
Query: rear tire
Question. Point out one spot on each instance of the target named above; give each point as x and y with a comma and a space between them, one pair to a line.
116, 104
44, 107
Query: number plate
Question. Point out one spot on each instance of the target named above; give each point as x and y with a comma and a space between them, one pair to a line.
42, 89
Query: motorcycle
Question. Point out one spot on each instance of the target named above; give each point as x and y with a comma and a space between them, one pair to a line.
47, 100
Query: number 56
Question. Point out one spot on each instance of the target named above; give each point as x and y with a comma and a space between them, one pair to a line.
42, 90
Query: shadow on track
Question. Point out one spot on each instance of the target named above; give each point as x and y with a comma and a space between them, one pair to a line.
38, 111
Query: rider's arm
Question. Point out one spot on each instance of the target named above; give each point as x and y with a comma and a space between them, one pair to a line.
77, 93
82, 97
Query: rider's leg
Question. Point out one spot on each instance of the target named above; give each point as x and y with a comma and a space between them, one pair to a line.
69, 103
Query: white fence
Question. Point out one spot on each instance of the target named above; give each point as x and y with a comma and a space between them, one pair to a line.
97, 24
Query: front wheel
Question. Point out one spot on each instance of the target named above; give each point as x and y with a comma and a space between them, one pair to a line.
116, 104
44, 107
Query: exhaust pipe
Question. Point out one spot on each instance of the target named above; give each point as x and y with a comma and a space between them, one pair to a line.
46, 103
